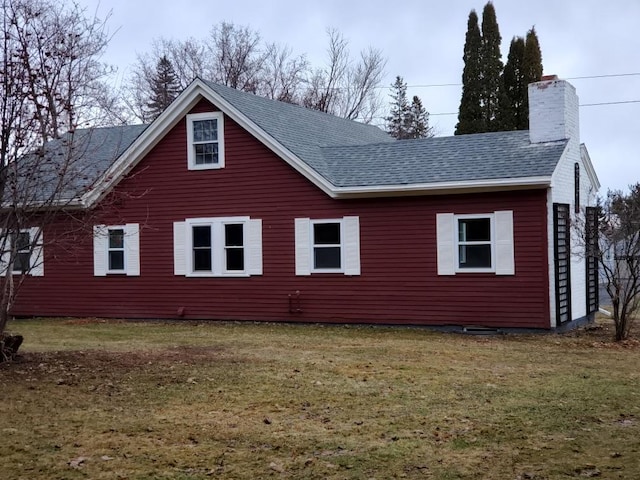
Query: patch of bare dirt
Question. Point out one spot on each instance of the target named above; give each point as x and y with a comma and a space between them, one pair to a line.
96, 361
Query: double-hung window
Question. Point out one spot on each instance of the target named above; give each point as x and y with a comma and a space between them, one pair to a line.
22, 253
327, 246
478, 243
22, 261
218, 247
475, 250
116, 250
205, 140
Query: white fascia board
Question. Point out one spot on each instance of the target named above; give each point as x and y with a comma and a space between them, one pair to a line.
588, 166
443, 188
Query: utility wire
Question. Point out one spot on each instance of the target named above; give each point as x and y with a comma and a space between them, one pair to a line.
612, 75
581, 105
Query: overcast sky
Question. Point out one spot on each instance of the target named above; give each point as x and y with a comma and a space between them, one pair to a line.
423, 40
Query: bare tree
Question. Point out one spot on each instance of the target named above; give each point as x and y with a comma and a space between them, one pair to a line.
238, 59
617, 251
50, 82
283, 75
235, 56
346, 88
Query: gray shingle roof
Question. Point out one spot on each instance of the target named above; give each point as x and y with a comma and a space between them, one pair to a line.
83, 157
482, 156
351, 154
347, 154
301, 130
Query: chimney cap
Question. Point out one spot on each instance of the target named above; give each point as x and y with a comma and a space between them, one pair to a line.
549, 77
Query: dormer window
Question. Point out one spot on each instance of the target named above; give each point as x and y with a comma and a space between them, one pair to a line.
205, 141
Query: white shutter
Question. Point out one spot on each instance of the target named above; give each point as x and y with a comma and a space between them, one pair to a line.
505, 260
255, 247
179, 248
445, 240
37, 254
351, 231
303, 247
132, 248
100, 245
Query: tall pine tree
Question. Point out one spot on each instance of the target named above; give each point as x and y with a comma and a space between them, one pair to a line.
491, 69
496, 98
164, 88
532, 69
513, 106
470, 118
419, 120
406, 120
398, 121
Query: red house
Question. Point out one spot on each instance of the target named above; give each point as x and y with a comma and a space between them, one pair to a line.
234, 207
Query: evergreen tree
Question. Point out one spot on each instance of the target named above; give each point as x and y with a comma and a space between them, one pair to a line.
513, 107
470, 112
398, 121
532, 70
164, 88
491, 69
407, 120
419, 120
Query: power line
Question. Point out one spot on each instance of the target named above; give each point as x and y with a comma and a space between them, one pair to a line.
622, 102
611, 75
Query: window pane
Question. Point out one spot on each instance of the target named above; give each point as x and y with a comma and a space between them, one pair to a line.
475, 256
326, 257
22, 242
326, 234
474, 230
233, 235
116, 238
22, 262
202, 260
206, 153
116, 260
202, 236
205, 130
235, 259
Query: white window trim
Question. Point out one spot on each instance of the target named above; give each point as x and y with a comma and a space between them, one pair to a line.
502, 243
131, 250
191, 157
36, 259
123, 270
349, 246
492, 242
313, 246
252, 247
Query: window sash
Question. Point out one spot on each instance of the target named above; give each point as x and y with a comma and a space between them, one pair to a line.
24, 250
115, 250
234, 247
327, 252
476, 255
205, 137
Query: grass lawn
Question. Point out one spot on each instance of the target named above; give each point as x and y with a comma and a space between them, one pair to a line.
124, 400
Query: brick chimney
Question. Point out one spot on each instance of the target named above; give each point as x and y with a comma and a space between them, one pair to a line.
553, 111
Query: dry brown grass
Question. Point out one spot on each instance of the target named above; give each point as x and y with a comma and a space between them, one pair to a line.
95, 399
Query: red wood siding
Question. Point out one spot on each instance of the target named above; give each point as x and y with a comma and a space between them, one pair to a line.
398, 285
